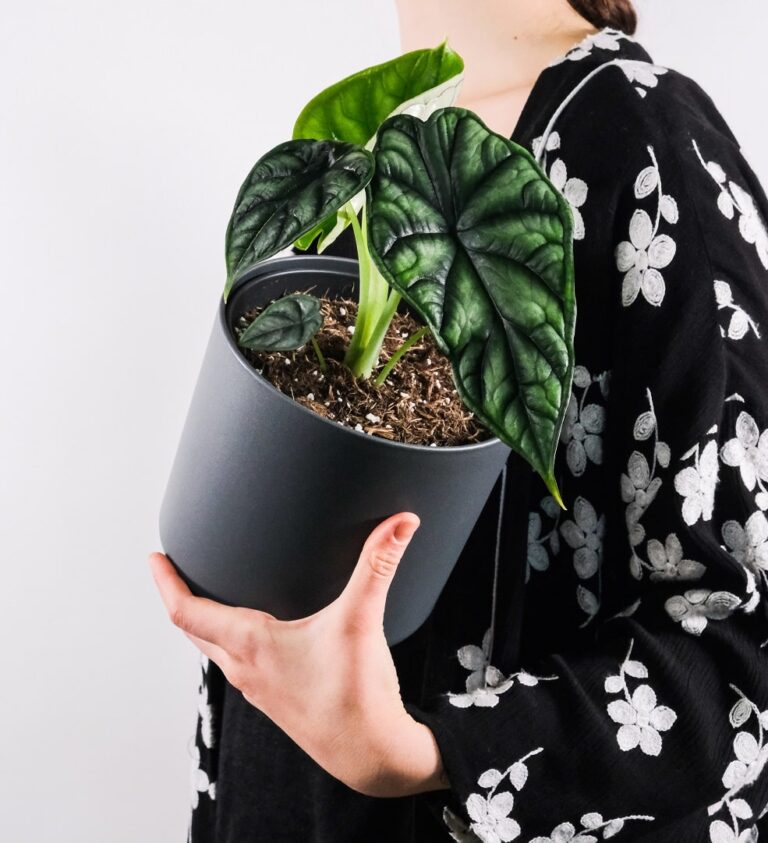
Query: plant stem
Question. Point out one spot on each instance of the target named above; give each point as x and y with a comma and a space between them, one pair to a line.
366, 357
363, 261
377, 303
320, 358
398, 353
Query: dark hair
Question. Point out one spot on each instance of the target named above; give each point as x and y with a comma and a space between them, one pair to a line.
618, 14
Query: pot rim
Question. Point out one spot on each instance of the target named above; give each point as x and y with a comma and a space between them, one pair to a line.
266, 268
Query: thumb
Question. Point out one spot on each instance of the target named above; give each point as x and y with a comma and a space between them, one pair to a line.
366, 592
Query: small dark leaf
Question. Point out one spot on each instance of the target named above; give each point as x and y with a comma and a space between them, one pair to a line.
284, 325
466, 226
289, 191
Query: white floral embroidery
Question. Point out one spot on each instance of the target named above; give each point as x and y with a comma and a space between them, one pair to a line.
748, 451
731, 198
457, 828
627, 611
641, 719
749, 546
490, 821
696, 607
553, 143
696, 483
751, 753
574, 190
485, 682
646, 252
589, 602
584, 423
606, 39
720, 832
740, 322
591, 824
643, 73
199, 780
585, 535
489, 813
538, 556
639, 487
204, 708
668, 563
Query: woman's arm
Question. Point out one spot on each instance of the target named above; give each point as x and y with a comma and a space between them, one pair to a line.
657, 727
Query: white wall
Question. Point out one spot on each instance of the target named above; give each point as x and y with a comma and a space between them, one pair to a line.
126, 128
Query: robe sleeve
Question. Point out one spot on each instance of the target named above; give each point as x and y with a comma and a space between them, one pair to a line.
654, 727
203, 748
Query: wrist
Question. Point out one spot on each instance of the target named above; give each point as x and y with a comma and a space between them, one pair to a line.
410, 762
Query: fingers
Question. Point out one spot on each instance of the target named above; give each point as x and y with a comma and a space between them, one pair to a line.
366, 592
205, 619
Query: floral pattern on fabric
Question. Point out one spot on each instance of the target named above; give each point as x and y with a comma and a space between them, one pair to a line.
679, 510
641, 721
750, 756
541, 543
647, 251
490, 820
585, 421
740, 322
733, 200
202, 749
575, 190
485, 682
607, 39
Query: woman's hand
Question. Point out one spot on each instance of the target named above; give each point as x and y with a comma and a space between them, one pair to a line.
327, 680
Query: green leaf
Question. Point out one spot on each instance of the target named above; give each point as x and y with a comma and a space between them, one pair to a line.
353, 108
284, 325
290, 190
322, 228
464, 223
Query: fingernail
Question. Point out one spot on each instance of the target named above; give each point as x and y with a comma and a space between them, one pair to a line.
405, 530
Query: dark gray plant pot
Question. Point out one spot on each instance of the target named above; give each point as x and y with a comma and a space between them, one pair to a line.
268, 504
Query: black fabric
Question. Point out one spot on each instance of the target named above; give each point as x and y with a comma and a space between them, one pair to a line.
622, 689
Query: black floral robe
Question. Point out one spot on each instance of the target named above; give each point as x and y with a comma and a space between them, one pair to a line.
600, 672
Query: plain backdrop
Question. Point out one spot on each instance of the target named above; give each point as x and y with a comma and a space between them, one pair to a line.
126, 129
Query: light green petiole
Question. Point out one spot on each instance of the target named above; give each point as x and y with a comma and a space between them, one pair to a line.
320, 356
398, 353
377, 303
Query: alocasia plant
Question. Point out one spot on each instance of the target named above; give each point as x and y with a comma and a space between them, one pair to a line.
455, 219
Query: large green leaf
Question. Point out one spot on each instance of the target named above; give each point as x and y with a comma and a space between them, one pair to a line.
463, 222
284, 324
352, 109
291, 189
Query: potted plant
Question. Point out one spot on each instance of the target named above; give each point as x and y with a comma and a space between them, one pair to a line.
461, 236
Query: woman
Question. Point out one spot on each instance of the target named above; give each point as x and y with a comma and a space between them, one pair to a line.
586, 674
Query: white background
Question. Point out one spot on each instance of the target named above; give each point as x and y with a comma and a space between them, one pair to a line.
126, 129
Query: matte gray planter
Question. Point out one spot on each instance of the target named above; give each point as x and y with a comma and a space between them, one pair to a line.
268, 504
